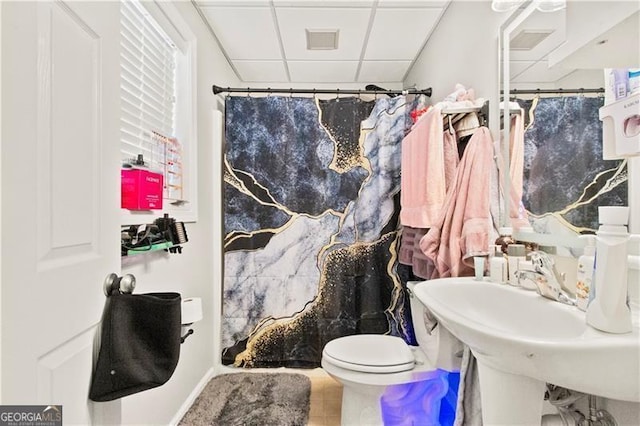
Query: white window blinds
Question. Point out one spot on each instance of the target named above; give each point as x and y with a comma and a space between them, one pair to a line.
148, 67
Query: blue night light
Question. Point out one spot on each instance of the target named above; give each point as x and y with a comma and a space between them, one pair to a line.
428, 402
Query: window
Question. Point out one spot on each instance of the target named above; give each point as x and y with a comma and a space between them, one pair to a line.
157, 103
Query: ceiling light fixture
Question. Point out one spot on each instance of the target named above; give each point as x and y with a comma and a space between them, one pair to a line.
542, 5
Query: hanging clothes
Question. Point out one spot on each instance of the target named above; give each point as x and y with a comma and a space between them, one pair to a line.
410, 253
429, 162
464, 224
422, 181
517, 212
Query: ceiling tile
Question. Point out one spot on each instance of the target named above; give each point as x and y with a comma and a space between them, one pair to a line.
539, 21
326, 71
323, 3
351, 22
517, 67
233, 3
400, 33
245, 32
541, 73
383, 71
413, 3
264, 71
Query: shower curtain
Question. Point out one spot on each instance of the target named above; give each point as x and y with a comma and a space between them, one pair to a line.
565, 177
311, 226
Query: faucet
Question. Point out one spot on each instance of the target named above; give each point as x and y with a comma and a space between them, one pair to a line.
546, 278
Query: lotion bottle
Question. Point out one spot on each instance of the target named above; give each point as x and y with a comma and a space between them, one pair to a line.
498, 266
608, 309
585, 272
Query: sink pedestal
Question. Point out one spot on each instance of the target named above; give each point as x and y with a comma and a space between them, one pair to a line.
509, 399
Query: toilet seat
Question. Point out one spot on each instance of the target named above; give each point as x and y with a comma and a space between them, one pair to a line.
370, 353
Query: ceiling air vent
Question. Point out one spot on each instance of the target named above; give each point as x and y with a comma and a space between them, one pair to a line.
322, 39
528, 39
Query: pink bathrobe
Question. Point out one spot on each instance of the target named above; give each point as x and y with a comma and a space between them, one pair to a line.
464, 225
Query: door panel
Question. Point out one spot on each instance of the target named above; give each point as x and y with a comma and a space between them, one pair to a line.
60, 198
58, 378
68, 185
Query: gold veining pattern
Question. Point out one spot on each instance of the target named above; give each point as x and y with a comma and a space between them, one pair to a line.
619, 176
344, 159
231, 178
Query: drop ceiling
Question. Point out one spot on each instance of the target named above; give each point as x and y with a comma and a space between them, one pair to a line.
585, 37
265, 40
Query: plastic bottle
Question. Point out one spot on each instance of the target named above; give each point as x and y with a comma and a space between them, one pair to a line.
516, 253
608, 309
498, 266
585, 272
634, 81
619, 80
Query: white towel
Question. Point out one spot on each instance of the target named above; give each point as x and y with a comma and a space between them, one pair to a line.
469, 406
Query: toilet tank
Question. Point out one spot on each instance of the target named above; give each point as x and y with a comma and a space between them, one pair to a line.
441, 347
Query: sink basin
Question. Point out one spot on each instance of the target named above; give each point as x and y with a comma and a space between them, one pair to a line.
515, 331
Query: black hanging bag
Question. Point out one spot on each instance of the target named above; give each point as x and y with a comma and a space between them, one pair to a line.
140, 344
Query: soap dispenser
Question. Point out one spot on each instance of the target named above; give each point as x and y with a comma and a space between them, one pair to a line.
608, 310
585, 272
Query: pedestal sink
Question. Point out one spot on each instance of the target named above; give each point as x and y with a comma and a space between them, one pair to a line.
522, 340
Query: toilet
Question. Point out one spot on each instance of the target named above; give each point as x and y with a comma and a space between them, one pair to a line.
368, 364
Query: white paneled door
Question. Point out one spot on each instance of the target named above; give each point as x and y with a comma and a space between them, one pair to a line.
60, 198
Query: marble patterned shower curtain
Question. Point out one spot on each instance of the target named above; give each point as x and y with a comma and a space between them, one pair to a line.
311, 226
565, 177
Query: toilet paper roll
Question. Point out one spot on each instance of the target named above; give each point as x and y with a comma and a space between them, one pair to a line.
191, 310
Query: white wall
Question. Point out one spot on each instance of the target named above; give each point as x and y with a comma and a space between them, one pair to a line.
197, 271
462, 49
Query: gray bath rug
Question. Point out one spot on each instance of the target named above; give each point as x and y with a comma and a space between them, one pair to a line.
252, 399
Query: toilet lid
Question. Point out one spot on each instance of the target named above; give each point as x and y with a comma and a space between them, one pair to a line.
370, 353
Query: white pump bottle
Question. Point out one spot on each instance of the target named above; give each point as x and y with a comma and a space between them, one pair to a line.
608, 309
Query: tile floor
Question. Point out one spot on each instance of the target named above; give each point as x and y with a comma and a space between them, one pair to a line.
326, 401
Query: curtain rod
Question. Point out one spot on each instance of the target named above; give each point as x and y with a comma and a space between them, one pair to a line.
551, 91
218, 89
